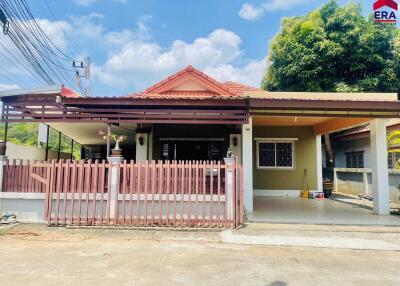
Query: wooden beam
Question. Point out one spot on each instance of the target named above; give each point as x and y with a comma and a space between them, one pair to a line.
338, 124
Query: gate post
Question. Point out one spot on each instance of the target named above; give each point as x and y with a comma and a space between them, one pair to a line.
2, 160
230, 188
113, 177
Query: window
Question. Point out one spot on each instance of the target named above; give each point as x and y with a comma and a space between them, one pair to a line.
393, 160
355, 159
277, 154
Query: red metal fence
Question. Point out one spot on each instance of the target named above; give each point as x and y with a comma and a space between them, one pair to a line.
133, 194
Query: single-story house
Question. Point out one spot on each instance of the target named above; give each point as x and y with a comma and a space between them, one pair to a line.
189, 116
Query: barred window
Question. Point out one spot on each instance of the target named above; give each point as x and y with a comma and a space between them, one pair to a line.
393, 160
275, 154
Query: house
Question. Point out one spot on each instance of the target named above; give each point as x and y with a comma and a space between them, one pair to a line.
189, 116
351, 156
352, 148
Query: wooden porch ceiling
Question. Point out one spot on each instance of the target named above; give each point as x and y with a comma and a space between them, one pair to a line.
321, 125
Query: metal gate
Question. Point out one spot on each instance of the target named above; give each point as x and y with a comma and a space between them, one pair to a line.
190, 194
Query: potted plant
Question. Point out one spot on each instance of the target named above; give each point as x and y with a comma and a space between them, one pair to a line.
117, 151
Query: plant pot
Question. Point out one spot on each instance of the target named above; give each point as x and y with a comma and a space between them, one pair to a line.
116, 152
3, 148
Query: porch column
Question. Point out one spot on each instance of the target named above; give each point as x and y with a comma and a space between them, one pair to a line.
150, 146
141, 146
380, 175
247, 161
236, 145
319, 163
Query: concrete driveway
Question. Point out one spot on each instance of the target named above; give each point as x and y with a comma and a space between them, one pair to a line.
317, 211
256, 255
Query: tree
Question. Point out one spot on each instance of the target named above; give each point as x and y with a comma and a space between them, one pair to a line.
334, 49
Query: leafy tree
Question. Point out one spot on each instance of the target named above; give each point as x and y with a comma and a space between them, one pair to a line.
334, 49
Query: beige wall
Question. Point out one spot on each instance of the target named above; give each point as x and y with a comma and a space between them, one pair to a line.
305, 157
16, 151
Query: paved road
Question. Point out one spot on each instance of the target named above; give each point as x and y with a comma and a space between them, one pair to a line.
37, 255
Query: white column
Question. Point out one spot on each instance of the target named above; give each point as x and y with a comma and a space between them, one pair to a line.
150, 146
236, 150
115, 161
365, 181
2, 159
380, 175
335, 181
247, 161
319, 163
141, 149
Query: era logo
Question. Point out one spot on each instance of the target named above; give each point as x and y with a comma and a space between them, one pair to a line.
385, 11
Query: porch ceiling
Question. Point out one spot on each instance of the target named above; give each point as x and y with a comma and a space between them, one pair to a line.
289, 120
322, 125
87, 133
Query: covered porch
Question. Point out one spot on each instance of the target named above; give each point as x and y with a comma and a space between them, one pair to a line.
292, 130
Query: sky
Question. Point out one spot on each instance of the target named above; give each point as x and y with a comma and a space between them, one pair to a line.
134, 44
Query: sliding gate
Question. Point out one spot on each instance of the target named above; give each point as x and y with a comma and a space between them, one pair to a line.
191, 194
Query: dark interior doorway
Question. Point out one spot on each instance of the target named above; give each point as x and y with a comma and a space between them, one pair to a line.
192, 150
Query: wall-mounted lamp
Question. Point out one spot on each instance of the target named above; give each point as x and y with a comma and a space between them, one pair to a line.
58, 99
141, 140
235, 141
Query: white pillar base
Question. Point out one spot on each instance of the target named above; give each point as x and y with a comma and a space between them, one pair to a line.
380, 175
229, 188
113, 184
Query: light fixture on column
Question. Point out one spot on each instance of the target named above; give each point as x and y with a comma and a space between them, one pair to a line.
141, 140
235, 141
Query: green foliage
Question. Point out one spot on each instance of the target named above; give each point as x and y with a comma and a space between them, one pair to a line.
334, 49
27, 134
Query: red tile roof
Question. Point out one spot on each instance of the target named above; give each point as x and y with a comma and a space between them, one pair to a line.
217, 90
238, 88
67, 92
188, 70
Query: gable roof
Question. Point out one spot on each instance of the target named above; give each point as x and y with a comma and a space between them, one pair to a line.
187, 73
191, 83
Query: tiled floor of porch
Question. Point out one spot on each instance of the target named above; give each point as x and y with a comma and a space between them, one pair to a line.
316, 211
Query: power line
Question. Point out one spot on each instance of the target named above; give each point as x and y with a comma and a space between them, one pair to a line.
37, 49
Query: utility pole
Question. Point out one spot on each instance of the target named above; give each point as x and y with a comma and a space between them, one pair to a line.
84, 67
4, 22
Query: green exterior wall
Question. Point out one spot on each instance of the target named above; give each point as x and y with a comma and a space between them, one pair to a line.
305, 158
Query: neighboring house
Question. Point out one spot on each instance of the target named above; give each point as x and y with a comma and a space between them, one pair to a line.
352, 147
276, 136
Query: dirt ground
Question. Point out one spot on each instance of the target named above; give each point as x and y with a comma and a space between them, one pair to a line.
40, 255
